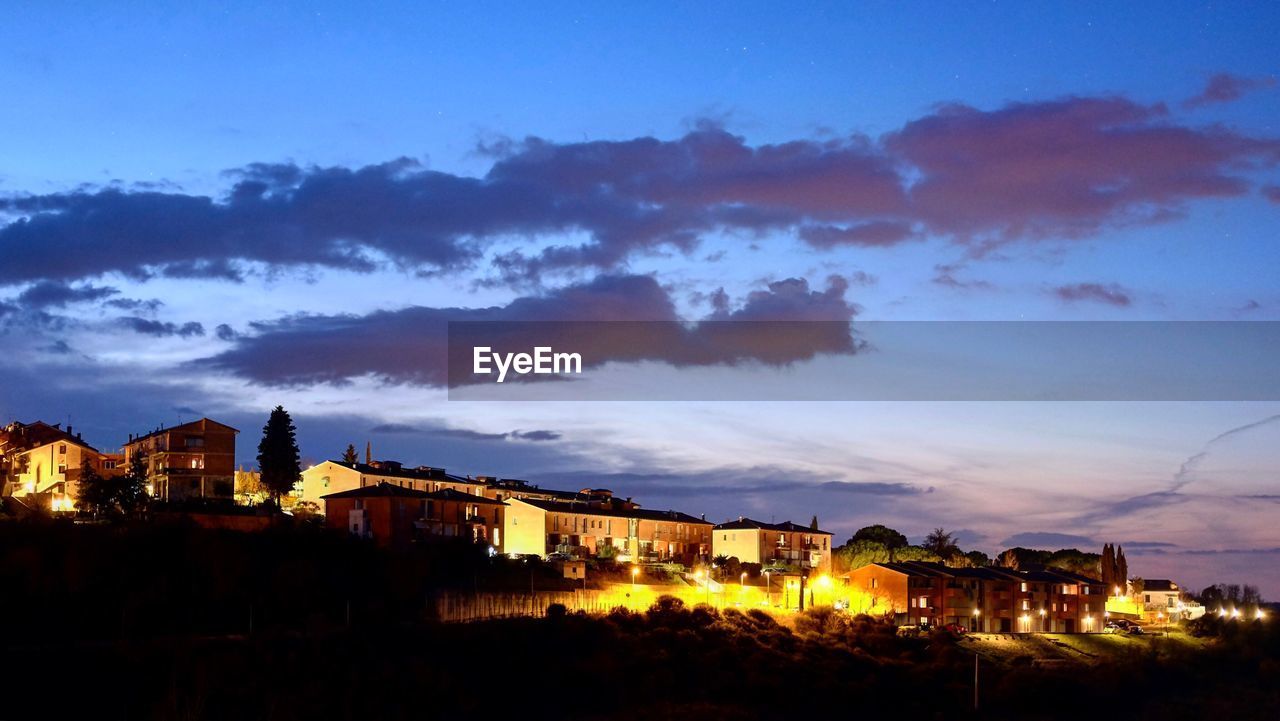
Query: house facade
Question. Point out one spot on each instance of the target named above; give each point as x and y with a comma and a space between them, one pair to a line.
332, 477
603, 527
784, 544
993, 600
48, 462
188, 461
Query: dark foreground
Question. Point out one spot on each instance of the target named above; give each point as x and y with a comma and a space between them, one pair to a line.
104, 632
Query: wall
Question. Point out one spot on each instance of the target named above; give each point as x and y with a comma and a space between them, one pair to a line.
524, 529
741, 544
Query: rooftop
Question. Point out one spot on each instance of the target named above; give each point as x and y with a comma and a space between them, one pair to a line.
599, 509
747, 524
381, 490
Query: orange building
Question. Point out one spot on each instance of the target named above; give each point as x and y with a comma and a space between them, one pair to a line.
448, 513
384, 513
995, 600
46, 462
192, 460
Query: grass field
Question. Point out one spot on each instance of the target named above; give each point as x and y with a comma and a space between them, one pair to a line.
1063, 648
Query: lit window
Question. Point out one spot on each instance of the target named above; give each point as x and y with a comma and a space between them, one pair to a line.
1024, 588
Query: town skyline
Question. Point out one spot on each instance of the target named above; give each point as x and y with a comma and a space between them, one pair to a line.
209, 213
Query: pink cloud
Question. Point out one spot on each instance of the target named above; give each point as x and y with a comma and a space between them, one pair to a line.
1110, 294
1225, 88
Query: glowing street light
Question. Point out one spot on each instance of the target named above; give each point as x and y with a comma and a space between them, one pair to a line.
1262, 615
635, 571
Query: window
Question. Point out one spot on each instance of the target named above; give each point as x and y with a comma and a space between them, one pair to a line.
1026, 603
62, 468
62, 448
193, 442
1024, 588
875, 583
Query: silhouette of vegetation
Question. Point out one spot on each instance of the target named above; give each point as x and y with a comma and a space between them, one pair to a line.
155, 622
278, 454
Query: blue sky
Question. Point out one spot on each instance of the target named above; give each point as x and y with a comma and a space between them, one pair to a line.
127, 129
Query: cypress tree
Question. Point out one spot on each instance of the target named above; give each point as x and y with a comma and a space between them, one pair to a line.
278, 454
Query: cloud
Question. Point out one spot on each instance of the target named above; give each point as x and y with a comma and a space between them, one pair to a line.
411, 345
1027, 171
160, 329
1066, 168
536, 436
1225, 88
1110, 294
224, 332
1272, 193
54, 294
878, 234
1044, 539
463, 433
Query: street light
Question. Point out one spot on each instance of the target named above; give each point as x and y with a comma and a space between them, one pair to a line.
635, 571
976, 613
1042, 621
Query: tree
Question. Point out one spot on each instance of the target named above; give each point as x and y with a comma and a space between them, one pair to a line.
93, 492
1122, 569
858, 553
1108, 566
941, 543
278, 454
349, 455
813, 525
131, 488
883, 535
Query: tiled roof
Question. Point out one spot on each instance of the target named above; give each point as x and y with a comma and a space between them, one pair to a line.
595, 509
448, 494
181, 426
748, 524
381, 490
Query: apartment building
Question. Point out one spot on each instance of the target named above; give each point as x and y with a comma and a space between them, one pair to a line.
592, 528
190, 460
331, 477
47, 462
995, 600
784, 544
448, 513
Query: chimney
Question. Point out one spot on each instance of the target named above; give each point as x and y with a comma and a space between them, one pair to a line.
69, 429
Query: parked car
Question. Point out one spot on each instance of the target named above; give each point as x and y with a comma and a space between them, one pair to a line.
559, 556
955, 628
1135, 630
1112, 627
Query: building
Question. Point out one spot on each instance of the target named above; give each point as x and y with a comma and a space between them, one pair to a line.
453, 514
46, 463
782, 545
331, 477
383, 513
191, 460
396, 516
604, 528
1160, 597
504, 488
988, 599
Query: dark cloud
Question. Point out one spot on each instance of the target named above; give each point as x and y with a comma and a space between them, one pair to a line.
1110, 293
55, 294
462, 433
878, 234
1059, 169
944, 274
1047, 540
134, 304
224, 332
1065, 169
536, 435
411, 345
1272, 193
1225, 87
160, 329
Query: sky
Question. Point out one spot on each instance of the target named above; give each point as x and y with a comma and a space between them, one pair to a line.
214, 208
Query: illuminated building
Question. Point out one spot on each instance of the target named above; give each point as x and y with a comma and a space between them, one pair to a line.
589, 528
784, 544
191, 460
